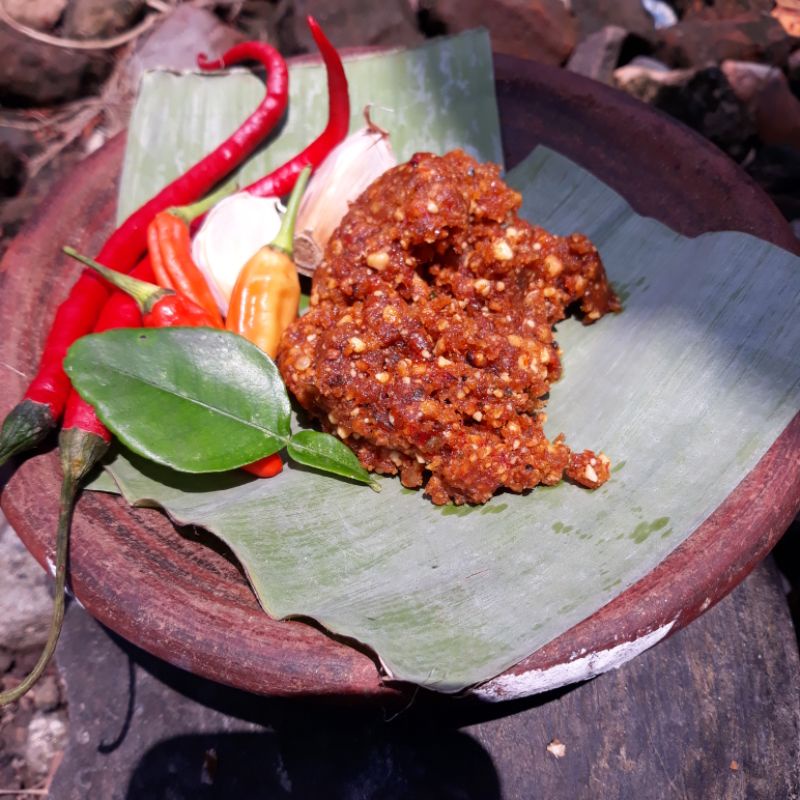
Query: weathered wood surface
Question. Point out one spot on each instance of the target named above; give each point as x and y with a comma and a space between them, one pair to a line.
713, 712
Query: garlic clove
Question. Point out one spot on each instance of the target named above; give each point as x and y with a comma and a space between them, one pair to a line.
341, 178
234, 230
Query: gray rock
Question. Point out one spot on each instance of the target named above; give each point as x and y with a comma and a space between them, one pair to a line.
357, 23
176, 42
47, 735
90, 19
593, 15
25, 601
598, 54
37, 74
39, 14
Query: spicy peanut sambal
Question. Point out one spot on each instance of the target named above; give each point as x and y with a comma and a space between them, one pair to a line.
428, 346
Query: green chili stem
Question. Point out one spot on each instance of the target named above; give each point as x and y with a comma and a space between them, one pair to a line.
144, 293
284, 241
190, 212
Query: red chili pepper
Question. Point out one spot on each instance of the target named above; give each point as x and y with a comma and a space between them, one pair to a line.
267, 467
32, 419
282, 180
83, 441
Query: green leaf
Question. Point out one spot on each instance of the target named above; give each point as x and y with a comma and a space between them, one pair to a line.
327, 453
194, 399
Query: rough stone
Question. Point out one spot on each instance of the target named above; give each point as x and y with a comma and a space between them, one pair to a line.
701, 98
37, 74
593, 15
723, 9
12, 171
648, 63
699, 42
598, 54
543, 30
358, 23
787, 12
45, 694
768, 97
25, 602
39, 14
47, 735
176, 42
90, 19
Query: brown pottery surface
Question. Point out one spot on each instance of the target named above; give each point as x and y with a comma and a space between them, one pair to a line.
182, 597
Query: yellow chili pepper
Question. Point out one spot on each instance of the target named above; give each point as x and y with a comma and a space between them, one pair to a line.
266, 295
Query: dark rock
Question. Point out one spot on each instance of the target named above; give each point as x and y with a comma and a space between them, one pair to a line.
701, 42
39, 14
36, 74
701, 98
766, 93
723, 9
6, 660
90, 19
12, 171
357, 23
793, 71
598, 54
542, 30
593, 15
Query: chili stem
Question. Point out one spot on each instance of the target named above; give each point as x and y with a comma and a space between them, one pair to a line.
190, 212
284, 241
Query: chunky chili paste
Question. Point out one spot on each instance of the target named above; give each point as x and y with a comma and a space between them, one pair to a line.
428, 346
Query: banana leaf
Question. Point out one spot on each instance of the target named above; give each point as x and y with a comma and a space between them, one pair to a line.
435, 97
685, 391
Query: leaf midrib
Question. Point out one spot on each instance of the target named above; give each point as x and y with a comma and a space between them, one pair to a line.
196, 402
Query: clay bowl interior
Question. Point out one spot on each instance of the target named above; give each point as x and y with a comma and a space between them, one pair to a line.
181, 596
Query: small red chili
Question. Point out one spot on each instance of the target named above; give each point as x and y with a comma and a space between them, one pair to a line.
160, 307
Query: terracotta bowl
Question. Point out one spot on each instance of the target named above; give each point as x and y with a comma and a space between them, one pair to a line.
183, 598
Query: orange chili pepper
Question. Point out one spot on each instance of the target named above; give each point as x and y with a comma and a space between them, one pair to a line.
266, 295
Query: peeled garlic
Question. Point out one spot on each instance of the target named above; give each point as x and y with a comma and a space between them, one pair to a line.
347, 171
234, 230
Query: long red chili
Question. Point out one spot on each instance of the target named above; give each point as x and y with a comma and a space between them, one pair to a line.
32, 419
282, 180
83, 442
